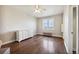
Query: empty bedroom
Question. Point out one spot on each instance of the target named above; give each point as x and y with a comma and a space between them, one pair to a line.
35, 29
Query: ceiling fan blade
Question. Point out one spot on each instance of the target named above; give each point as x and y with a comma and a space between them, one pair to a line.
38, 9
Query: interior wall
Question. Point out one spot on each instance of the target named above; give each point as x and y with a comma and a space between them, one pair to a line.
58, 20
8, 37
77, 42
13, 20
67, 29
0, 19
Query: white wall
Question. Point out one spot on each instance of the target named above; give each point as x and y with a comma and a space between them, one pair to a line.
77, 30
1, 19
67, 29
56, 31
13, 20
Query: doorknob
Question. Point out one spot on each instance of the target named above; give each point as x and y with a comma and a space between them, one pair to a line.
72, 32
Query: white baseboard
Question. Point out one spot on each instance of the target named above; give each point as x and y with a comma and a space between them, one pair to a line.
8, 42
66, 47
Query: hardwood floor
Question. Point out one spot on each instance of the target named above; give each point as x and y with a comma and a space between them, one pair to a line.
38, 45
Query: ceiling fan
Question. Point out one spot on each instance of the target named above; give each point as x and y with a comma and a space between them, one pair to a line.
38, 9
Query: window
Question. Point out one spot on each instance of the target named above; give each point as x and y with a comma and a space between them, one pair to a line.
48, 23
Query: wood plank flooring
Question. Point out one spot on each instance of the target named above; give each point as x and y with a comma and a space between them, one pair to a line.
38, 45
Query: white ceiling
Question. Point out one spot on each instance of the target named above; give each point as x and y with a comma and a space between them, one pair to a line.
49, 10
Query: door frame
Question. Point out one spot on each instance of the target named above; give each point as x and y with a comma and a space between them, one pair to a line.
76, 26
77, 34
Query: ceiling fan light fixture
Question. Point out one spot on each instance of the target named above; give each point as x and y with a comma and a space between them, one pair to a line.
38, 9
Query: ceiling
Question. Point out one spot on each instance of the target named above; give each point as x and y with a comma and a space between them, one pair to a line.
49, 10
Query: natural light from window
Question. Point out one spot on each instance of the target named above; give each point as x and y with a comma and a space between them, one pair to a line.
48, 24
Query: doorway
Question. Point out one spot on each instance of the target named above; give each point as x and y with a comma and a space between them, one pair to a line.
74, 29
